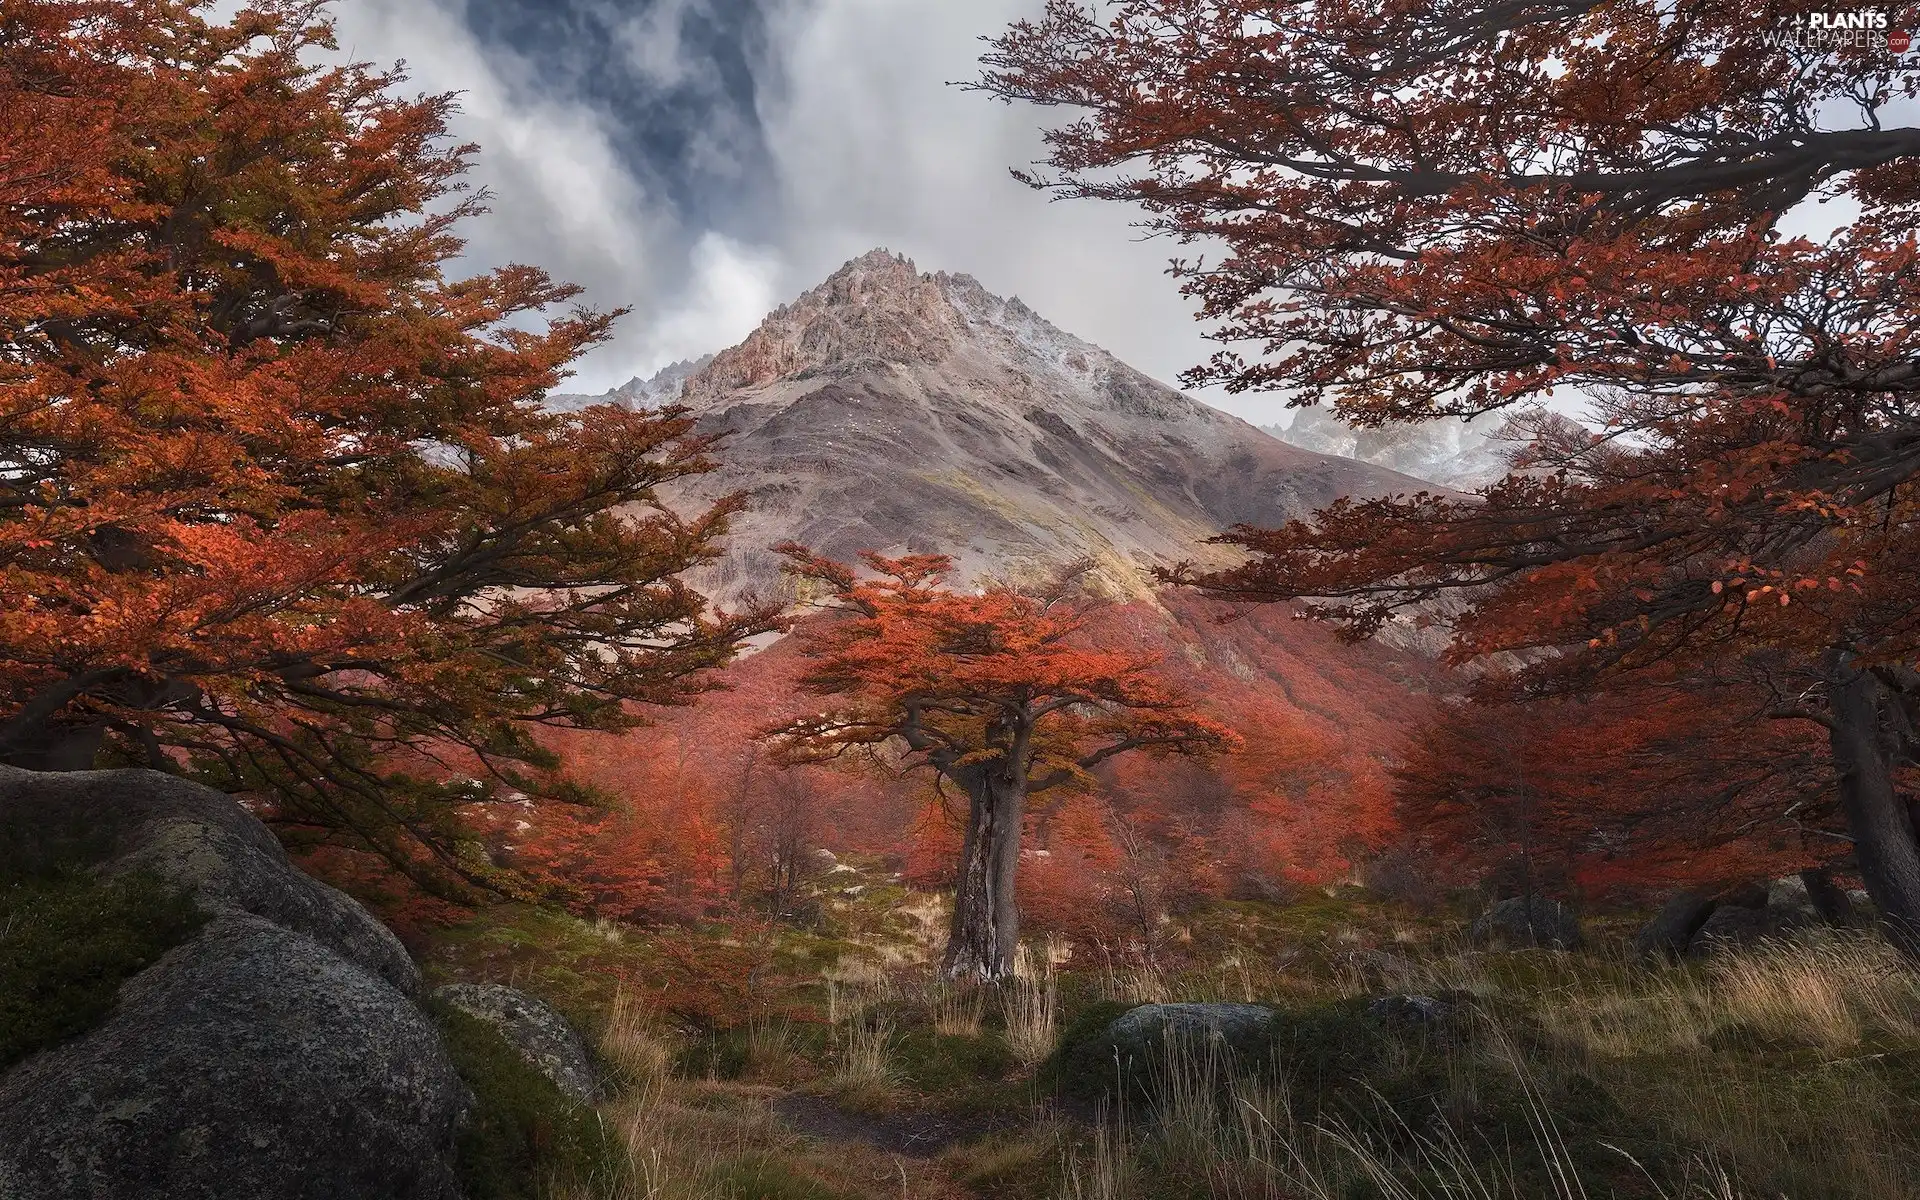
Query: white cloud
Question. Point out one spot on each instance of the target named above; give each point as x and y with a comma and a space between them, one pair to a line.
733, 286
869, 146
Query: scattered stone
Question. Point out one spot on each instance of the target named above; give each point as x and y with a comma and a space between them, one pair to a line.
1410, 1010
1528, 921
547, 1040
1733, 925
1672, 929
1788, 897
1862, 905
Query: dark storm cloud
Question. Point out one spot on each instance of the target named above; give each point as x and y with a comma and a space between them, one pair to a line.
677, 81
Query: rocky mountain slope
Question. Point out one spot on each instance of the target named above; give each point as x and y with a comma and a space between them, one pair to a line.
892, 410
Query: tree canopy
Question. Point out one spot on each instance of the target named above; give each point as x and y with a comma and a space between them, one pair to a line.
996, 692
279, 500
1455, 207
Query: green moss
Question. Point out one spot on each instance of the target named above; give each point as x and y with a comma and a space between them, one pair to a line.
68, 939
939, 1063
763, 1177
524, 1134
1080, 1068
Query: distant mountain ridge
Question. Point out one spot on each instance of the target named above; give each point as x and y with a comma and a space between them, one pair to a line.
897, 411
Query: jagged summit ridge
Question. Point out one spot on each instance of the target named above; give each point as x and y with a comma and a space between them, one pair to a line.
879, 310
892, 410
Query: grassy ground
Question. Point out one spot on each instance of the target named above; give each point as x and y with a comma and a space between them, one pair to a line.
766, 1063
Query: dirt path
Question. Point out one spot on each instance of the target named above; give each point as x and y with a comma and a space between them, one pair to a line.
911, 1135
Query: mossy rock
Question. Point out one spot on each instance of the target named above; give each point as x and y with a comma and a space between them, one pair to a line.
68, 939
524, 1133
1121, 1050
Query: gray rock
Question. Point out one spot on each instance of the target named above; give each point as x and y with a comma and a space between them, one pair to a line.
1410, 1010
541, 1035
1862, 905
1233, 1023
1672, 929
1528, 921
1789, 897
250, 1062
196, 838
1193, 1020
1733, 925
277, 1053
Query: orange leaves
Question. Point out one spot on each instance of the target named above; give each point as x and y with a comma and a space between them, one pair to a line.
997, 679
285, 500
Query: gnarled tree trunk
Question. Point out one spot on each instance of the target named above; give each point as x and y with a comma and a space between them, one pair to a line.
986, 917
1866, 747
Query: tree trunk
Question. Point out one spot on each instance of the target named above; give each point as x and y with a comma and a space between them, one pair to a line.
986, 917
1883, 832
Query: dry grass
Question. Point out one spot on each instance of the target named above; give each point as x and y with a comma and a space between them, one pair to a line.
862, 1056
1030, 1004
1833, 995
1246, 1144
632, 1042
958, 1008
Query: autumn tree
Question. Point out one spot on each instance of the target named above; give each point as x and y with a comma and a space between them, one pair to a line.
996, 693
1452, 207
279, 501
1643, 784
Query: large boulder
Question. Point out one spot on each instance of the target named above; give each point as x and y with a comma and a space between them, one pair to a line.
276, 1053
1150, 1024
1786, 912
198, 840
1528, 921
542, 1036
250, 1062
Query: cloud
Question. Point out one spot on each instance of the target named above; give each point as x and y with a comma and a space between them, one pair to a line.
703, 160
872, 145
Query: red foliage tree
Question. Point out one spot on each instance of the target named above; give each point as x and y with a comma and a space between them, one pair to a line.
996, 693
1456, 207
1644, 785
278, 499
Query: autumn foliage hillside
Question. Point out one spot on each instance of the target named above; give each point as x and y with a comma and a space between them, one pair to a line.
703, 818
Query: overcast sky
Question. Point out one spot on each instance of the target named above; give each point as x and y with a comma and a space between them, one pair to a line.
705, 160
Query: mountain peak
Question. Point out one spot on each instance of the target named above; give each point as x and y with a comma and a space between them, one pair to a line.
876, 308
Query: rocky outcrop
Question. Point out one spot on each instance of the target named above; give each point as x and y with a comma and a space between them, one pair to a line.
542, 1036
196, 839
1701, 922
1528, 921
277, 1053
